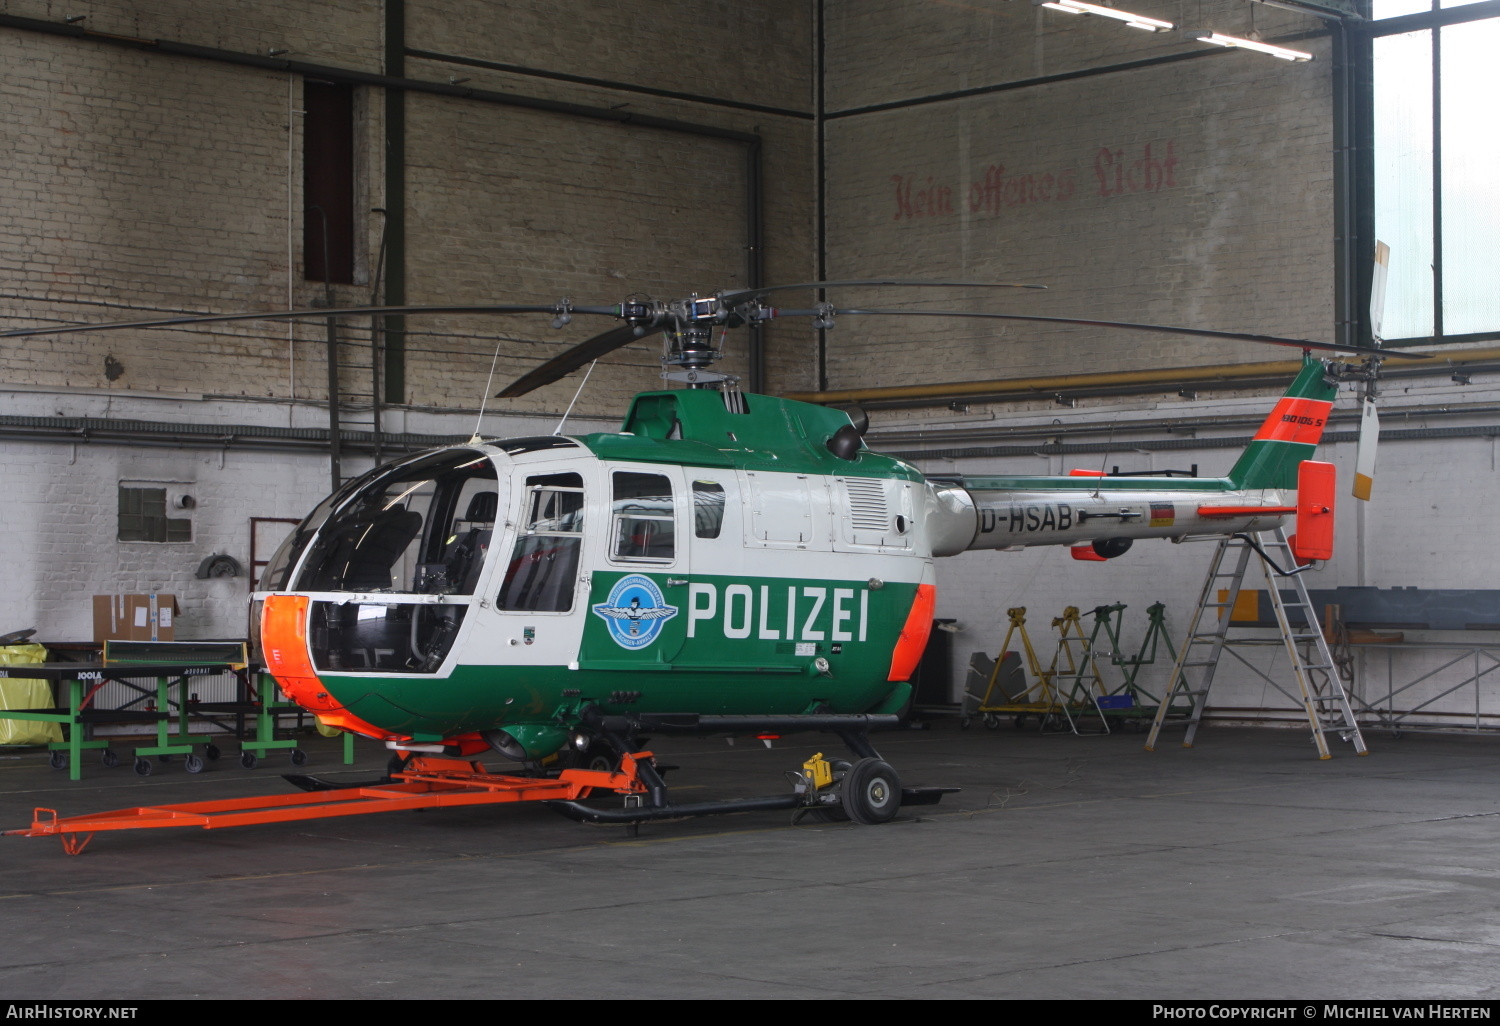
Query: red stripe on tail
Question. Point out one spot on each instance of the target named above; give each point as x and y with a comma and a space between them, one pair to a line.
1295, 420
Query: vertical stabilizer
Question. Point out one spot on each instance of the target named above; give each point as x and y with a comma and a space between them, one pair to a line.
1290, 434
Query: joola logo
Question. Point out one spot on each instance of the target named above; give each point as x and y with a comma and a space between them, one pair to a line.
635, 611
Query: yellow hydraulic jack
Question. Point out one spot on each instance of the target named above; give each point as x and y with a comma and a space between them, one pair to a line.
1039, 699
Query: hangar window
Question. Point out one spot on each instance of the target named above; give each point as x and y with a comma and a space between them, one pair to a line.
143, 516
1433, 151
328, 182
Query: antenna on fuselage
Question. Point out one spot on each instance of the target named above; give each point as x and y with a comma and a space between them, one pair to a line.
1104, 462
576, 394
485, 396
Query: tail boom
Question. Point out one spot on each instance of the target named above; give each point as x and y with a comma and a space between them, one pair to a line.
1080, 510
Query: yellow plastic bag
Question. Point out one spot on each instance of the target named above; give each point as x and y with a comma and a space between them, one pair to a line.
25, 693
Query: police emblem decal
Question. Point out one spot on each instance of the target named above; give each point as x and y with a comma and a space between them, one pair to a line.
635, 611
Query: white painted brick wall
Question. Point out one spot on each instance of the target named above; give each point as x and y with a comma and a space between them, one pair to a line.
1428, 526
60, 545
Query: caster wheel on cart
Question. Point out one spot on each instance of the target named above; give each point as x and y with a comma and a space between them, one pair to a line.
109, 759
193, 764
248, 760
211, 752
143, 767
299, 757
991, 721
963, 724
58, 760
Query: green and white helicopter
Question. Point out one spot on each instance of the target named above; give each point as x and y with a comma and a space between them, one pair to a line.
724, 562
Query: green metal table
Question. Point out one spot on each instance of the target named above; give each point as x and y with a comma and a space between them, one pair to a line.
81, 680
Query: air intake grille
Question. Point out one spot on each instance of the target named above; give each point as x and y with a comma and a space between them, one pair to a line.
867, 508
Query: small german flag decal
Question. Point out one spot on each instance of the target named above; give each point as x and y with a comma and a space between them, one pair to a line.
1163, 514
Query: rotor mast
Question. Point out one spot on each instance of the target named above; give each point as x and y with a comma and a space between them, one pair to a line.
690, 339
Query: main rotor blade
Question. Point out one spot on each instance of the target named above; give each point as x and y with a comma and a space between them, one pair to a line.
320, 313
567, 362
1237, 336
871, 282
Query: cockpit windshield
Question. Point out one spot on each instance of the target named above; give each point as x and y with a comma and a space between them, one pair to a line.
422, 528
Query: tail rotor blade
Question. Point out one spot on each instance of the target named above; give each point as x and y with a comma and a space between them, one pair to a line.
1364, 461
1377, 289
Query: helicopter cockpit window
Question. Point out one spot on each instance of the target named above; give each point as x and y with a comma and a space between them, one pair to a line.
419, 528
644, 517
543, 570
274, 578
708, 508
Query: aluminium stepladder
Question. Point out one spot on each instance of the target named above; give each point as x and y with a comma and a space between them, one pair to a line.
1320, 689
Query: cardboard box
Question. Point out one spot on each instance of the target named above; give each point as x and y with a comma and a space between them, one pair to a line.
135, 617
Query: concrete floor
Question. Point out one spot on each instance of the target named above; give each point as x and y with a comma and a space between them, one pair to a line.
1067, 868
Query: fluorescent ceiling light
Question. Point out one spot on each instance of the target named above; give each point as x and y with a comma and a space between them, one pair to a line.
1249, 44
1139, 21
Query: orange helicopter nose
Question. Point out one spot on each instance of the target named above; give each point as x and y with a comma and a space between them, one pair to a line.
283, 637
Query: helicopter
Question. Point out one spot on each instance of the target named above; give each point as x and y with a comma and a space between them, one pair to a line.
725, 562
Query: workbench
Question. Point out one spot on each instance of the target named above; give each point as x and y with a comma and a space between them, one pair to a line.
81, 680
256, 696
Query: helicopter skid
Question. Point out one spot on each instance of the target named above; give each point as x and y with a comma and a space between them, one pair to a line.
641, 814
433, 783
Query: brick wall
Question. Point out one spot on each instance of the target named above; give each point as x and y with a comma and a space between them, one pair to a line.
1196, 192
145, 183
141, 182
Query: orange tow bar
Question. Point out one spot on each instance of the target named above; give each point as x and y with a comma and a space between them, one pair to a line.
425, 783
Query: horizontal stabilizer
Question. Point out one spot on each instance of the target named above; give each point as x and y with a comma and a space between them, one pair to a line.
1316, 482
